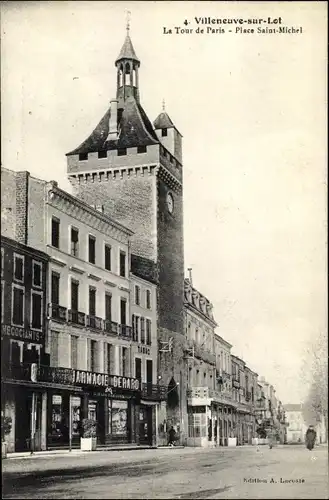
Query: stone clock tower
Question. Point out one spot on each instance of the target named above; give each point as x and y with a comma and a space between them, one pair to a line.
133, 170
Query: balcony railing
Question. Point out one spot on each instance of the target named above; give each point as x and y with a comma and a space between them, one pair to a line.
111, 326
16, 371
125, 331
154, 392
76, 317
95, 322
60, 313
201, 353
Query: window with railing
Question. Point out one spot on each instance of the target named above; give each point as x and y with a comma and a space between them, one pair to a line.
122, 263
55, 227
91, 249
74, 241
148, 299
137, 295
142, 330
107, 257
148, 331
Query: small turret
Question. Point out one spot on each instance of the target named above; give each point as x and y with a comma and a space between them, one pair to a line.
168, 134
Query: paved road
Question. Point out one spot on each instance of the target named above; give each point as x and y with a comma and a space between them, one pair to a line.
189, 473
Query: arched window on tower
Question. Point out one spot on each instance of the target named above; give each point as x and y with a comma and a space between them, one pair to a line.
127, 74
121, 76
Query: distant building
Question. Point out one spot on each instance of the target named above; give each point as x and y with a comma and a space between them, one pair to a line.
297, 426
201, 360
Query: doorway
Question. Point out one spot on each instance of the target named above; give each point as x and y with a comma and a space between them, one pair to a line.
145, 425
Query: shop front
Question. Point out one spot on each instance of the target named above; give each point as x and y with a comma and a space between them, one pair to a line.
111, 401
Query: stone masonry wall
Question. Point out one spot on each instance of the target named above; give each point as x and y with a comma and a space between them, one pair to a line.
36, 217
130, 201
8, 203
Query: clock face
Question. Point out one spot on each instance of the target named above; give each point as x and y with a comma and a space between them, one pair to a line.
170, 203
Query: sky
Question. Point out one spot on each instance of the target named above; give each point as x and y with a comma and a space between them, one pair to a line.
252, 112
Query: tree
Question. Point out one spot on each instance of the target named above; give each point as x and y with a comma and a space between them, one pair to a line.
315, 405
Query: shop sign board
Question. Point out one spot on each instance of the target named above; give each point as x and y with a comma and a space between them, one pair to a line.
16, 332
68, 376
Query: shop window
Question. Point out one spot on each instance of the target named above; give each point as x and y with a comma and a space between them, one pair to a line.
18, 306
18, 268
76, 416
118, 418
58, 426
36, 310
37, 274
92, 410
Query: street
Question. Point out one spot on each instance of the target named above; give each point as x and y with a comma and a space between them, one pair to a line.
171, 473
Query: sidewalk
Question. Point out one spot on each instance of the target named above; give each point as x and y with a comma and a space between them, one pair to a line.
77, 451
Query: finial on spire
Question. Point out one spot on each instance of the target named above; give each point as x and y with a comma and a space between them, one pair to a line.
128, 14
163, 105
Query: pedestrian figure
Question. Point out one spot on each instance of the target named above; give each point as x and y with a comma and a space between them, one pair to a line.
172, 436
310, 438
271, 439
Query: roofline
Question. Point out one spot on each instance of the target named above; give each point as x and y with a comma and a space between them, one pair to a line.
223, 340
34, 252
90, 209
188, 305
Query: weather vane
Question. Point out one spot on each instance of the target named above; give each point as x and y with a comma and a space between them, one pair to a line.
163, 105
128, 14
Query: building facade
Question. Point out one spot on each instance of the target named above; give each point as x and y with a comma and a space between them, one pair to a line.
201, 361
134, 169
24, 284
90, 344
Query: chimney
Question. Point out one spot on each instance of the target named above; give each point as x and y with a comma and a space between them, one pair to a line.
190, 275
113, 123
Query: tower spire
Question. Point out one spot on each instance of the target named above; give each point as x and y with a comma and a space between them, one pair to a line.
128, 15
